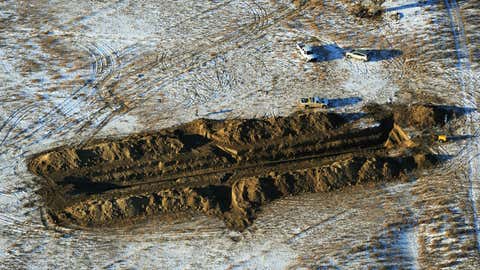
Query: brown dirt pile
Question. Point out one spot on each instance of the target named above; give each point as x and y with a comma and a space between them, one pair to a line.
371, 9
237, 204
421, 116
227, 169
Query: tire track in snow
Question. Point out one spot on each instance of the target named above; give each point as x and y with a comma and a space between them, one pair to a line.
468, 90
104, 62
6, 68
102, 59
192, 60
103, 65
260, 16
14, 119
316, 227
103, 69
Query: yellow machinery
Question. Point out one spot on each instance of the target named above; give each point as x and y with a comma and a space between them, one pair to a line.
442, 138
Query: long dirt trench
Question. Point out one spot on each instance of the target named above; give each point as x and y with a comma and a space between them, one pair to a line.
230, 168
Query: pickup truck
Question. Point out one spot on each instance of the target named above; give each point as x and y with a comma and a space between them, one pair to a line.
313, 102
307, 52
358, 55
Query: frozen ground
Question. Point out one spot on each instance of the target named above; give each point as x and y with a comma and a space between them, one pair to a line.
71, 70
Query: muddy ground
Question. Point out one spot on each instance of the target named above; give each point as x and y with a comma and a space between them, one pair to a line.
230, 168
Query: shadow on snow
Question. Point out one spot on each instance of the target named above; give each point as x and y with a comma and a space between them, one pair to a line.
330, 52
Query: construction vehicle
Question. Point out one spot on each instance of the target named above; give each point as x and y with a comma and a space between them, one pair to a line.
441, 138
358, 55
313, 102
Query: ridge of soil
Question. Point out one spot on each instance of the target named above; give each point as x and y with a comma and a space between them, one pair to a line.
230, 168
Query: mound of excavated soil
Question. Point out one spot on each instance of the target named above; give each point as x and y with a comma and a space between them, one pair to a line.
227, 168
420, 116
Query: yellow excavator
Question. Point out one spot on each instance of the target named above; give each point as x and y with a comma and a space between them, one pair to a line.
441, 138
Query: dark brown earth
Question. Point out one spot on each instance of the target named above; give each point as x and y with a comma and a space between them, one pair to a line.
231, 168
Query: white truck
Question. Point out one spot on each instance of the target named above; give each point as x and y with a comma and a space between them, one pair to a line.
358, 55
307, 52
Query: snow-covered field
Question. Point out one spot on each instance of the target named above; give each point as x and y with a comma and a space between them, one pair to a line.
73, 70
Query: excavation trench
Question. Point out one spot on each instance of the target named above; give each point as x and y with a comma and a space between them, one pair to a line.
230, 168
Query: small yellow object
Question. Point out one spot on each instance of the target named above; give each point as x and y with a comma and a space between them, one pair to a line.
442, 138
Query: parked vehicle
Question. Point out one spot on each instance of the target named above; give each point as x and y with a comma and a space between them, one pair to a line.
441, 138
307, 52
358, 55
313, 102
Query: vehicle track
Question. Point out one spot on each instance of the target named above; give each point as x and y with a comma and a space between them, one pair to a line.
192, 60
60, 111
15, 117
107, 10
467, 88
209, 84
67, 105
260, 16
103, 65
269, 165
